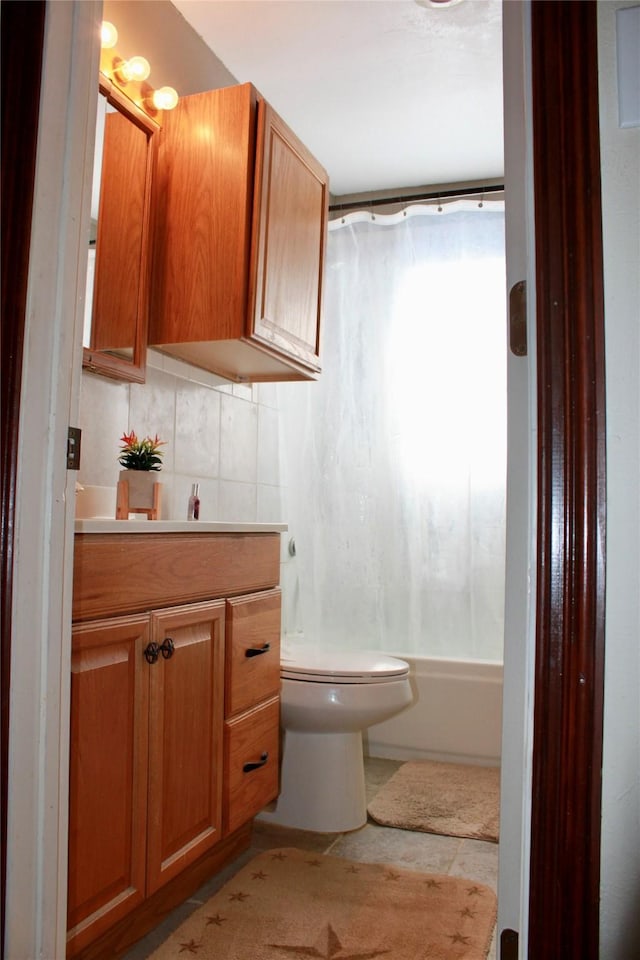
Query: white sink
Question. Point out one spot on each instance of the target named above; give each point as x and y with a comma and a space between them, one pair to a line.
96, 525
95, 503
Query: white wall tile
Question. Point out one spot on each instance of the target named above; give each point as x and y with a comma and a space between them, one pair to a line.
269, 505
237, 501
238, 439
268, 446
152, 411
267, 394
217, 434
197, 431
104, 416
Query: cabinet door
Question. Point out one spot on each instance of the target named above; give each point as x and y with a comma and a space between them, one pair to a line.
203, 219
108, 775
186, 694
289, 238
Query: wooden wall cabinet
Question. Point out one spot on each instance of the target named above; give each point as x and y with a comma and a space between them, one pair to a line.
170, 759
239, 243
115, 342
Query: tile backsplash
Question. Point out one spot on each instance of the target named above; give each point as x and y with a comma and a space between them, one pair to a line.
221, 435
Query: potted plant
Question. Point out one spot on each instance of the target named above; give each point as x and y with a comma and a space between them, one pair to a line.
140, 454
138, 489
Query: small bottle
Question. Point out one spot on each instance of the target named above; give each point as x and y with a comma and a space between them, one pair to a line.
193, 512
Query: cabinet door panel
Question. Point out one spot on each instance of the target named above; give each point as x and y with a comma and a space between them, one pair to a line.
253, 650
108, 775
203, 218
289, 238
185, 744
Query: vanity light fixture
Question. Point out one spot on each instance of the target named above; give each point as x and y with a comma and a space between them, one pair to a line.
137, 68
130, 76
165, 98
109, 35
438, 4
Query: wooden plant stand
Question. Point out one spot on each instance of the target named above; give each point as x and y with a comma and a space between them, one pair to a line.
125, 506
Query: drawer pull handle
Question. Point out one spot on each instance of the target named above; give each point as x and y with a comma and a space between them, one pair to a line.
256, 651
248, 767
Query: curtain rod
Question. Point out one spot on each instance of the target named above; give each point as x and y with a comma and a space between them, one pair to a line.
416, 197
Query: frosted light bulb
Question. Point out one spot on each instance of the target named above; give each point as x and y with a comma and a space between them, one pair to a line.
165, 98
108, 34
137, 68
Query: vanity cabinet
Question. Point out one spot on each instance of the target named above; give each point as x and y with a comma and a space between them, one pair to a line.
174, 721
146, 752
239, 242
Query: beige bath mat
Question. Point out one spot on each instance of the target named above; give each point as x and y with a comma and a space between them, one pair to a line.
454, 799
297, 904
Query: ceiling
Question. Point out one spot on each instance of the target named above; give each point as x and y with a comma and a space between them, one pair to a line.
385, 93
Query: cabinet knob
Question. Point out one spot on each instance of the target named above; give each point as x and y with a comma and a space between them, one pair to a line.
256, 651
248, 767
167, 648
153, 650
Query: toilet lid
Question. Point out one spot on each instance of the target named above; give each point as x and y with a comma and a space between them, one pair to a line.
339, 667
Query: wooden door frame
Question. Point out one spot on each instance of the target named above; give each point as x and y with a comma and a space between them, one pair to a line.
22, 50
569, 668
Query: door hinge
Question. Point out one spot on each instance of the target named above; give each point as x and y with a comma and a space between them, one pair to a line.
509, 945
518, 318
74, 437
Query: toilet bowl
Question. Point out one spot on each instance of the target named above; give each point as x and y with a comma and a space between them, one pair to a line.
327, 699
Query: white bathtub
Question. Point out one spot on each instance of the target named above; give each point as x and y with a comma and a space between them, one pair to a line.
457, 716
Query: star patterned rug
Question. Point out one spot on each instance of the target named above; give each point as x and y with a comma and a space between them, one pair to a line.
292, 903
454, 799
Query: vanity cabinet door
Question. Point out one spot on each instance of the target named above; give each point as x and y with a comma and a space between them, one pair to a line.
108, 775
185, 738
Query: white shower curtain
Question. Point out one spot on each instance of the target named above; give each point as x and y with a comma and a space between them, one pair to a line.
394, 461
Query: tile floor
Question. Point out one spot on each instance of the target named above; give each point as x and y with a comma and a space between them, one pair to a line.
373, 843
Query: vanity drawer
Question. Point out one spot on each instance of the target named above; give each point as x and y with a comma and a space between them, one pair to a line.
131, 573
253, 650
251, 752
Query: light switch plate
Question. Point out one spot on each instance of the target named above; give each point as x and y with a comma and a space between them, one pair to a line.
74, 437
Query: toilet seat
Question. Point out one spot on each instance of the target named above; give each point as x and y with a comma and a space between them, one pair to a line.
335, 666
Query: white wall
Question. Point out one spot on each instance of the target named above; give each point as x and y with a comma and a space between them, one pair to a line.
620, 885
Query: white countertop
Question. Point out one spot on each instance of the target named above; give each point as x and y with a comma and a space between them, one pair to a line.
174, 526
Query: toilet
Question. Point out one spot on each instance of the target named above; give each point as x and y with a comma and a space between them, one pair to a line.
327, 699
